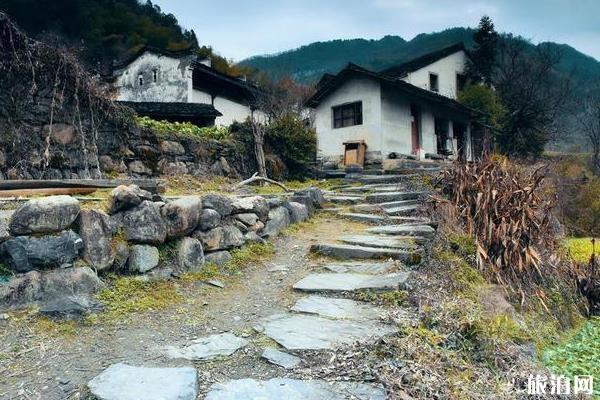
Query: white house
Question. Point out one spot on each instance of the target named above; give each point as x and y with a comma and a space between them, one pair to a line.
174, 85
408, 110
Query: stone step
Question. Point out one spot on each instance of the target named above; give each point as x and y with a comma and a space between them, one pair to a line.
344, 199
368, 179
357, 267
294, 389
386, 197
350, 282
397, 203
375, 219
402, 210
374, 188
337, 308
366, 208
391, 242
309, 332
404, 230
349, 252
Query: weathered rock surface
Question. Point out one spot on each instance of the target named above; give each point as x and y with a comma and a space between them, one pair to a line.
218, 257
209, 219
345, 199
224, 344
392, 242
279, 219
315, 194
24, 253
403, 230
298, 212
126, 197
51, 288
342, 282
139, 168
307, 332
368, 218
181, 216
247, 219
95, 231
337, 308
255, 204
349, 252
280, 358
221, 238
362, 267
252, 237
44, 215
3, 231
170, 147
124, 382
143, 258
190, 254
220, 204
384, 197
144, 224
294, 389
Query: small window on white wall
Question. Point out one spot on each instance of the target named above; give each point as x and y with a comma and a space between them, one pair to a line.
433, 82
154, 76
140, 80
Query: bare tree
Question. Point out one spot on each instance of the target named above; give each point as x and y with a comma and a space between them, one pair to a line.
590, 124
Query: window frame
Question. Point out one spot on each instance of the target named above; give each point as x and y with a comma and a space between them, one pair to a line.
347, 115
460, 76
140, 80
437, 82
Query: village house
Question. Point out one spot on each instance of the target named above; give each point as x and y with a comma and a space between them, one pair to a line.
409, 110
177, 86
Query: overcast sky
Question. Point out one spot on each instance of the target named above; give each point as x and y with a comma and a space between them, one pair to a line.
241, 28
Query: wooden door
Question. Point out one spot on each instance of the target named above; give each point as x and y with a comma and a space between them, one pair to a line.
351, 156
414, 128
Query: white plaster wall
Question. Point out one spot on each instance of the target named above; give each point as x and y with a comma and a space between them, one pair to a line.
199, 96
446, 70
172, 85
329, 140
231, 110
396, 123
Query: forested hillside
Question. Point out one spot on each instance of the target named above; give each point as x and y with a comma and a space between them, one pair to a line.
100, 30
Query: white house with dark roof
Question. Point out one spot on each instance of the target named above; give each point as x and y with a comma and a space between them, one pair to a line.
408, 110
176, 86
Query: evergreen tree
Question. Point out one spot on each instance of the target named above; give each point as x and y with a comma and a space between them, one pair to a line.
483, 55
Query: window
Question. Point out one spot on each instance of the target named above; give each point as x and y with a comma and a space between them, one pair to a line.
461, 82
347, 115
140, 80
433, 82
154, 76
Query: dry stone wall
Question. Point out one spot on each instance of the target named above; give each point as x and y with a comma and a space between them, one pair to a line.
56, 249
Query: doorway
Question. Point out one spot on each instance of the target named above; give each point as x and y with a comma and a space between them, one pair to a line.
415, 121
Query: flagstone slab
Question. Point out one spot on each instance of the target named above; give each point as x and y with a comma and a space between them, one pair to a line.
344, 199
294, 389
362, 267
403, 230
224, 344
337, 308
348, 282
387, 178
125, 382
280, 358
386, 197
392, 242
349, 252
309, 332
398, 203
401, 210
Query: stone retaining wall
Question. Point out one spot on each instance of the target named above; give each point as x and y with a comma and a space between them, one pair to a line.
56, 248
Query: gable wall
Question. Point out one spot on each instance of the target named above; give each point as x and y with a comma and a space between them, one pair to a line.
446, 69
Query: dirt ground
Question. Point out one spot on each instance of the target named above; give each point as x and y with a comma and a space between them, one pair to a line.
47, 361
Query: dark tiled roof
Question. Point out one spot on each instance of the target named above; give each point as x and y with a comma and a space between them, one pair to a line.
190, 51
204, 75
172, 109
354, 70
420, 62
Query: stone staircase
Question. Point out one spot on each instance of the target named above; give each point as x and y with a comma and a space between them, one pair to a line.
377, 259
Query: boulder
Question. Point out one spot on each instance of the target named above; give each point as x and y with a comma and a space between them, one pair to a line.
96, 233
144, 224
190, 255
107, 164
63, 134
279, 219
222, 167
171, 148
298, 212
174, 168
248, 219
143, 258
304, 199
315, 194
209, 219
252, 237
240, 225
51, 289
24, 253
181, 216
220, 204
274, 202
126, 197
221, 238
218, 257
121, 252
254, 204
139, 168
44, 215
259, 226
4, 235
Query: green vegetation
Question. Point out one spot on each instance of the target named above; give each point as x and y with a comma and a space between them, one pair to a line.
183, 129
5, 273
578, 354
580, 249
395, 298
251, 254
485, 100
294, 143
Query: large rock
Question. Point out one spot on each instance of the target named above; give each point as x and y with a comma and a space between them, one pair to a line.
181, 216
171, 148
139, 168
124, 382
220, 204
279, 219
24, 253
49, 289
144, 224
4, 235
95, 231
224, 344
280, 358
218, 257
221, 238
63, 134
126, 197
349, 282
143, 258
209, 219
254, 204
315, 194
247, 219
298, 212
190, 254
44, 215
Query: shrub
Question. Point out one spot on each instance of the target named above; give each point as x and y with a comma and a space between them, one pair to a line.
294, 143
186, 129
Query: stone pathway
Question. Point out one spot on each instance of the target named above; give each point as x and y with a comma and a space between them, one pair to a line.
323, 320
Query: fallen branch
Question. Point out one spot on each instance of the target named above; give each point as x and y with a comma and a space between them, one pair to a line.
257, 178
